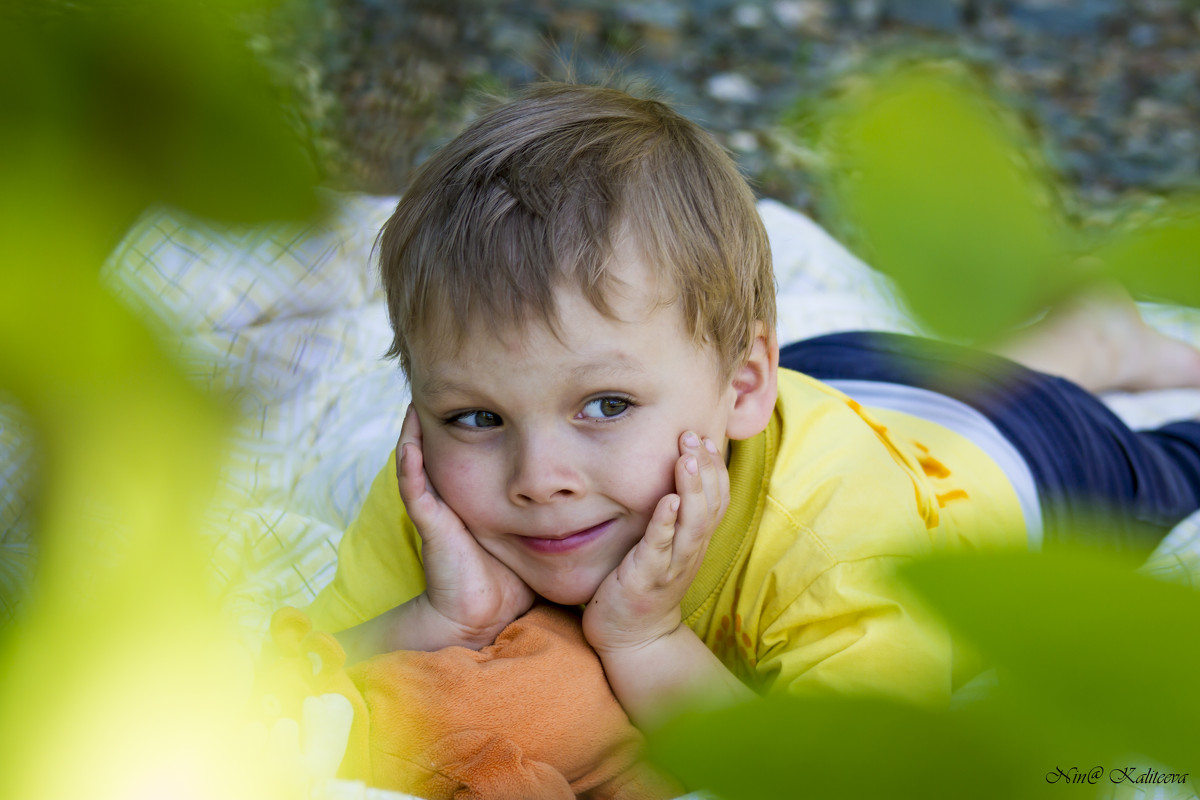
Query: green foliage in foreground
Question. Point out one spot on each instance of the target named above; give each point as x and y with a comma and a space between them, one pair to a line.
117, 681
942, 187
1097, 666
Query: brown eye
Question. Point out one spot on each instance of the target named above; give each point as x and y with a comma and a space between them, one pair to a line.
478, 419
605, 408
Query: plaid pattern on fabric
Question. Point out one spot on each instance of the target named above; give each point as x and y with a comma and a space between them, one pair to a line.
289, 322
17, 468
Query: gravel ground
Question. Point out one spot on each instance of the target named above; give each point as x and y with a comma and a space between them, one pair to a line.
1112, 86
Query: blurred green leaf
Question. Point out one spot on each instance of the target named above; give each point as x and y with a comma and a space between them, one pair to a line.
944, 188
854, 747
1111, 648
937, 183
1097, 667
160, 102
121, 660
1159, 258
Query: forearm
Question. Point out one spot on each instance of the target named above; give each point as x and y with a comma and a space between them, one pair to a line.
415, 625
672, 672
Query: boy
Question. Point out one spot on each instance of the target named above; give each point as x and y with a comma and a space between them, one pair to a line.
582, 298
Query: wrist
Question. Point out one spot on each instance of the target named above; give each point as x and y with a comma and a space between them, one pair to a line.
449, 632
636, 646
625, 634
414, 625
674, 671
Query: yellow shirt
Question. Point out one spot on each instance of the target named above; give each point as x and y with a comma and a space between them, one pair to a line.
796, 587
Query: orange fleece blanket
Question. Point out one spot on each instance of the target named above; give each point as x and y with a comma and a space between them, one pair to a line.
530, 716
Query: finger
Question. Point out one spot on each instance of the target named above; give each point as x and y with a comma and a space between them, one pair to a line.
412, 439
710, 480
410, 471
700, 477
410, 431
723, 485
693, 504
417, 494
660, 533
650, 560
716, 480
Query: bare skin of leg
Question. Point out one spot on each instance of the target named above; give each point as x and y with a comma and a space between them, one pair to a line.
1099, 340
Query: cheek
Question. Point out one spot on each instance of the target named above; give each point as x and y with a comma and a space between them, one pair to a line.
651, 455
648, 472
462, 480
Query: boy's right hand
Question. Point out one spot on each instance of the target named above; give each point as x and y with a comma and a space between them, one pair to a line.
472, 593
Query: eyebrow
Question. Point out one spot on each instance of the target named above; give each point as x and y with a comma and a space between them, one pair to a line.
619, 366
440, 386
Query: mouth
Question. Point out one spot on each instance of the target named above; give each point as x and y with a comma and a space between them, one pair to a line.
568, 542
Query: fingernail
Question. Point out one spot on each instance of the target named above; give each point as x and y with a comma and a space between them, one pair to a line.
691, 440
710, 446
690, 465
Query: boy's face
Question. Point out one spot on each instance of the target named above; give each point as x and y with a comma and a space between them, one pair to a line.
554, 453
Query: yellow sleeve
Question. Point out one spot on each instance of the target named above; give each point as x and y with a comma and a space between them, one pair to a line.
857, 630
804, 597
379, 560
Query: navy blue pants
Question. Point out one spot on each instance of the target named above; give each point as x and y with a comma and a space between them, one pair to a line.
1098, 481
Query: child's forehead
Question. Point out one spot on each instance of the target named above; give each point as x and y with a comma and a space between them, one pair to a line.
630, 293
584, 343
575, 332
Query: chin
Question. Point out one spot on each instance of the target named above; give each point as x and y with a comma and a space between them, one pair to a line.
569, 595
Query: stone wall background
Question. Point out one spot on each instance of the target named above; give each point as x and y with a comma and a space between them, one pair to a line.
1112, 86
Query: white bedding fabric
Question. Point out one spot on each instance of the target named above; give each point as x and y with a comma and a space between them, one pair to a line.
290, 319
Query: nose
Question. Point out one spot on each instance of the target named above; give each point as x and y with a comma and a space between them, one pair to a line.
544, 470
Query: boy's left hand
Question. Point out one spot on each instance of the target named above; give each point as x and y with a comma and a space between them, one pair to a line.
639, 601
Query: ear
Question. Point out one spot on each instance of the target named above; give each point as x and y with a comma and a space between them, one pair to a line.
756, 386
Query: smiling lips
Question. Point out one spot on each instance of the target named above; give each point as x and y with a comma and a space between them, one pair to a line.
571, 541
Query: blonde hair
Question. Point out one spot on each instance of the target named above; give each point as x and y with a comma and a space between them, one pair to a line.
534, 195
